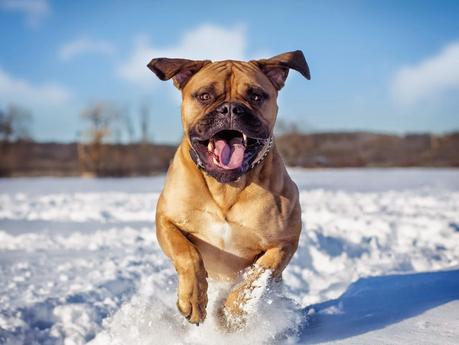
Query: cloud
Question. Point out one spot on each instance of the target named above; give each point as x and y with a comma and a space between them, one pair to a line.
428, 80
204, 42
34, 10
22, 92
83, 46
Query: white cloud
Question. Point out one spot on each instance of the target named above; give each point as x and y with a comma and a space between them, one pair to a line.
34, 10
204, 42
83, 46
429, 79
22, 92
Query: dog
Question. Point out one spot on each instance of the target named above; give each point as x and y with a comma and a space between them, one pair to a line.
228, 203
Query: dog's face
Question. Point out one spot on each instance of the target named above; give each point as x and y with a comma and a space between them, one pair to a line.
229, 108
228, 112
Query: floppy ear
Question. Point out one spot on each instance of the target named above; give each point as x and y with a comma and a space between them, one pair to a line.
277, 67
181, 70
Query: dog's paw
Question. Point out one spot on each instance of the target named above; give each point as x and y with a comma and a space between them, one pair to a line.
235, 301
244, 299
192, 297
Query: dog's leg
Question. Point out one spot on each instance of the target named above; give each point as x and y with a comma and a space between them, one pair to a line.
192, 276
268, 267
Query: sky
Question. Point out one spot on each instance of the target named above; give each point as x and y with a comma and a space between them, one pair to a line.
384, 66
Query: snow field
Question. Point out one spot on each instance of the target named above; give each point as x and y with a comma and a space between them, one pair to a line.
79, 263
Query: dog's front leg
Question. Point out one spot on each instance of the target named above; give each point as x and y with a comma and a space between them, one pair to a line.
192, 276
269, 266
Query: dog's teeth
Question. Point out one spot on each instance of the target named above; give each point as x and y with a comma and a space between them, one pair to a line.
210, 146
244, 137
215, 160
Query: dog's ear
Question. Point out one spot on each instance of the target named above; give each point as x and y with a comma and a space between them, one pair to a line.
277, 67
181, 70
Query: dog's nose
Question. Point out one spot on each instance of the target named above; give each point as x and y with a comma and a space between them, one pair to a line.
237, 109
223, 108
229, 108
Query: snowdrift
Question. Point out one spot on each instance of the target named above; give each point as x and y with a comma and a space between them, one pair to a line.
378, 261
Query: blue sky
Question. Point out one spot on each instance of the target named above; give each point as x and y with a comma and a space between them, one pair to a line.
387, 66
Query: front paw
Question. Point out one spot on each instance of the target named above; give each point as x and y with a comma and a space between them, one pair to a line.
235, 301
192, 296
244, 299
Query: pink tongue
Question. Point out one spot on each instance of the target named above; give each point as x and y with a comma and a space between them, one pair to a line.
230, 155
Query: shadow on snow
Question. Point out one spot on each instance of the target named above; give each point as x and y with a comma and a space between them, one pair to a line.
376, 302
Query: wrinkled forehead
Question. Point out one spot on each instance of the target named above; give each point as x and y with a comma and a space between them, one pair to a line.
234, 75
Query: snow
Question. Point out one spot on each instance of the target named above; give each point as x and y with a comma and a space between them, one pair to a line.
378, 262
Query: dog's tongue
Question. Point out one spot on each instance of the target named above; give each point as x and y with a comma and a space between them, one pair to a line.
230, 154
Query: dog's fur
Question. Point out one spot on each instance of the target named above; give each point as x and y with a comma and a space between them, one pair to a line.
216, 222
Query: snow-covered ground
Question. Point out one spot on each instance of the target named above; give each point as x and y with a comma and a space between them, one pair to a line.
378, 263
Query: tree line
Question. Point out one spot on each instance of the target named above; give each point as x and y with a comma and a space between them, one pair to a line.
108, 146
105, 122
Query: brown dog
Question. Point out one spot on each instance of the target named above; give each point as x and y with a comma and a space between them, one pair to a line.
228, 202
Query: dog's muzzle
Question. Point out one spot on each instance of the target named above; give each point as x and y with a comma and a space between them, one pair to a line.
229, 141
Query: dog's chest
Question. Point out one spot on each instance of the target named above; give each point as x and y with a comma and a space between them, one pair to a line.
222, 233
224, 236
216, 234
223, 248
240, 234
230, 240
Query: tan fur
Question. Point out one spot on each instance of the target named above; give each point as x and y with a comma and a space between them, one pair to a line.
208, 228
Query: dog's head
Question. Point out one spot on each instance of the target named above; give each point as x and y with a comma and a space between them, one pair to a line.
229, 107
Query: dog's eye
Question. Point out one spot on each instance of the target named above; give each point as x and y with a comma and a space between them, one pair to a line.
205, 96
256, 98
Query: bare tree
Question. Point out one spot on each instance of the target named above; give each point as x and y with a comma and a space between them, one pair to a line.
284, 127
102, 118
15, 124
145, 123
129, 128
103, 125
297, 126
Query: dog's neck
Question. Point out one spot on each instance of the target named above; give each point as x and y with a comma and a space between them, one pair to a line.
227, 194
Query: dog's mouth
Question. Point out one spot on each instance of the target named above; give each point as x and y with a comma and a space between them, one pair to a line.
228, 153
226, 149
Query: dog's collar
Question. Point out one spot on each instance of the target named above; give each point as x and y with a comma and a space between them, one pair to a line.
195, 157
263, 153
258, 159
